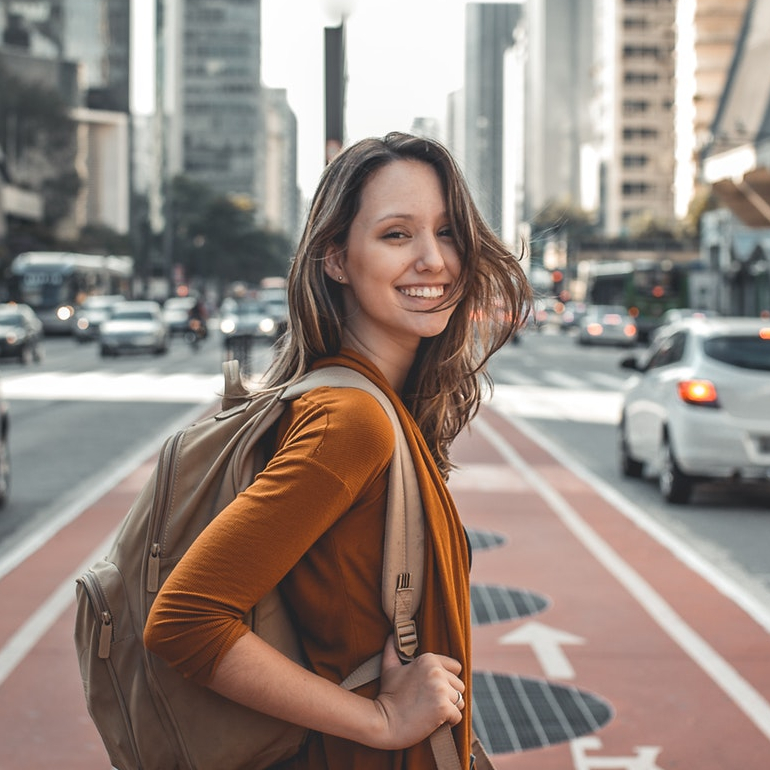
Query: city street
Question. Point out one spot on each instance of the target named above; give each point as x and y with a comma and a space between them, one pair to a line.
611, 630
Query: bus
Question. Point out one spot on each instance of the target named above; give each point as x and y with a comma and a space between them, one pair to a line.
55, 283
645, 287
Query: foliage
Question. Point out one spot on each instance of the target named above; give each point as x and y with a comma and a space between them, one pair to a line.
215, 237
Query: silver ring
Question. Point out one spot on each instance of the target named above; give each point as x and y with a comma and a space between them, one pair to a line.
459, 697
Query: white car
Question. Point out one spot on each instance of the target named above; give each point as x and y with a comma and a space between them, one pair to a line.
699, 408
134, 326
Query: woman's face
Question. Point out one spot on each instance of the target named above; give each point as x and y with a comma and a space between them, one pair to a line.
400, 257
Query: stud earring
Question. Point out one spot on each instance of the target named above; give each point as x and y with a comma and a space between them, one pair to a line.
341, 278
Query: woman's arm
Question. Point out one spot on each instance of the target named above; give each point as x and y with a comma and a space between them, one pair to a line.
414, 699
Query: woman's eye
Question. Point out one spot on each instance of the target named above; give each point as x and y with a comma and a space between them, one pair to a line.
445, 232
395, 234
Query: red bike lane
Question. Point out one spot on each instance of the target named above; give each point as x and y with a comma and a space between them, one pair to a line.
595, 645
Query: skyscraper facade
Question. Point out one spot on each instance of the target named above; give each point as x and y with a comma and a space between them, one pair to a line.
213, 68
634, 113
558, 84
489, 34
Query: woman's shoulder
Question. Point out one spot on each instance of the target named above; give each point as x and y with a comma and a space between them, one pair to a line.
347, 415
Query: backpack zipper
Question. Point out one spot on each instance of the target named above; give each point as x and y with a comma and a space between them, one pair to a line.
103, 617
102, 612
162, 491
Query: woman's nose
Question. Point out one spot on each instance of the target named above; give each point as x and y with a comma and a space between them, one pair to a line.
430, 256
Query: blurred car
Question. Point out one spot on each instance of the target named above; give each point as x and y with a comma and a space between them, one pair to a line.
572, 314
607, 325
699, 408
248, 319
21, 333
673, 315
88, 317
5, 456
134, 326
176, 314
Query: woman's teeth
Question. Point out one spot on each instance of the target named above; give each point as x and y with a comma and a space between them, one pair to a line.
430, 292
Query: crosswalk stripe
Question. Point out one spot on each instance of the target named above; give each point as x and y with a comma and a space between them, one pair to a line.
108, 386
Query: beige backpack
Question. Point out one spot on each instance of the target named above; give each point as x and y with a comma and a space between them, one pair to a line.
149, 716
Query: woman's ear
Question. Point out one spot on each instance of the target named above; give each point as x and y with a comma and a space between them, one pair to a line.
333, 264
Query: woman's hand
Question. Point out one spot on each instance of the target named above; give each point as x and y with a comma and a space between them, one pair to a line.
417, 697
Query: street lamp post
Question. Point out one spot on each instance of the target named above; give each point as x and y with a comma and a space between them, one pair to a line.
335, 74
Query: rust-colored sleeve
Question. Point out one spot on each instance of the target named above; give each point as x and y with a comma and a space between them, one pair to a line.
334, 446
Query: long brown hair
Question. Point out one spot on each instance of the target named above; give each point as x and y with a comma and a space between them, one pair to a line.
445, 385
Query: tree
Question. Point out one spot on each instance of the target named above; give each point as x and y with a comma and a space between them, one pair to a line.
215, 237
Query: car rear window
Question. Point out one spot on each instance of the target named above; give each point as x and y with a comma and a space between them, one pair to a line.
749, 352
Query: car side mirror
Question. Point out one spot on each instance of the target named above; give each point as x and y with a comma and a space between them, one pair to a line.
630, 363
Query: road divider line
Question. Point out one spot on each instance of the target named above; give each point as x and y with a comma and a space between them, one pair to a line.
86, 494
745, 697
21, 643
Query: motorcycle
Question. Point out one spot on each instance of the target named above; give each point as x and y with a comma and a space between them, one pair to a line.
196, 332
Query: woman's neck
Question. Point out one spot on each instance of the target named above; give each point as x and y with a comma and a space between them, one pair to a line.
394, 362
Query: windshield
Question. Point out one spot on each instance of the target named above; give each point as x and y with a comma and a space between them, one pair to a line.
746, 352
133, 315
10, 317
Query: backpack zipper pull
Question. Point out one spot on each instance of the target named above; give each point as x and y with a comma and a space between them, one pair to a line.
105, 634
153, 569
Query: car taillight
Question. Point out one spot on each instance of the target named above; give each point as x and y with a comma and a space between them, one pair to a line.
629, 330
698, 392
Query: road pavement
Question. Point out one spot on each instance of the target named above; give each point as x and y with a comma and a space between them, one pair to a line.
600, 641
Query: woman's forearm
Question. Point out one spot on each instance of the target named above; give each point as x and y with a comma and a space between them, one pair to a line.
256, 675
414, 699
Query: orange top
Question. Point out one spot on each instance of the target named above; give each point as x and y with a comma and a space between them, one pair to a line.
313, 521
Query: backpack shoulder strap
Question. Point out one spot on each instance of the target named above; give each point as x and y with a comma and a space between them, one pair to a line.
402, 578
403, 561
235, 391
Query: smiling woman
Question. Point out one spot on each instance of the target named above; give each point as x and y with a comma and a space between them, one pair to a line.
392, 272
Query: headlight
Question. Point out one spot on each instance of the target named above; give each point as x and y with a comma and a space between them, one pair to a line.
227, 326
266, 325
64, 313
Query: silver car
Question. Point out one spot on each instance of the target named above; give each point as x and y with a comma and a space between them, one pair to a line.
699, 408
607, 325
134, 326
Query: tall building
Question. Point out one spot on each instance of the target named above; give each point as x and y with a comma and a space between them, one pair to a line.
281, 198
558, 36
634, 115
93, 33
489, 34
707, 32
80, 49
211, 74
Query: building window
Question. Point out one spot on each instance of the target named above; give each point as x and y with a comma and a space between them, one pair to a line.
635, 134
640, 78
635, 106
635, 161
637, 188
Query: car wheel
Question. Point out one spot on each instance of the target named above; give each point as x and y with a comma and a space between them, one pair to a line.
25, 355
37, 354
630, 468
105, 352
675, 486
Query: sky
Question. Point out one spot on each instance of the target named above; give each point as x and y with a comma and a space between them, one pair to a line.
403, 59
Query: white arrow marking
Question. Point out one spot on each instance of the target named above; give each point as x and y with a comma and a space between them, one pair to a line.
546, 644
